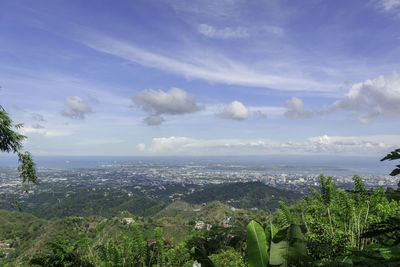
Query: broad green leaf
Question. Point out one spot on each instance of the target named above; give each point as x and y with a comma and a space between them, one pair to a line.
287, 241
257, 249
274, 230
279, 248
297, 243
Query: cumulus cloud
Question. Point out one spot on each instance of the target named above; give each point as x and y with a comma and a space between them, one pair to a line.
344, 145
372, 98
235, 111
379, 97
76, 108
154, 120
158, 102
295, 109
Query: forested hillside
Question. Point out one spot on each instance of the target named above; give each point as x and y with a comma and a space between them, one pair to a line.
108, 202
243, 195
329, 227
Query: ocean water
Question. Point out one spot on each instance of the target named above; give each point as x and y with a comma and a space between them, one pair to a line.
329, 165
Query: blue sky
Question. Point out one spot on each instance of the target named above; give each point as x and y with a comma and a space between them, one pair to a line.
227, 77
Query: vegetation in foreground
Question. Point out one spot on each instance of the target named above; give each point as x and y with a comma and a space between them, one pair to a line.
330, 227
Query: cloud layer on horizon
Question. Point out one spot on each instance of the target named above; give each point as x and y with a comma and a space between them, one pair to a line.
324, 145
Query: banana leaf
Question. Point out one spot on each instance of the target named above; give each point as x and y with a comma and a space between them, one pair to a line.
257, 248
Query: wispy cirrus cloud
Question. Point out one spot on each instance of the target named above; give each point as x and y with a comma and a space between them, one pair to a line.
388, 5
239, 32
223, 33
210, 67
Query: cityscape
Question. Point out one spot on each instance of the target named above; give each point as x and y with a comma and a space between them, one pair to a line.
156, 174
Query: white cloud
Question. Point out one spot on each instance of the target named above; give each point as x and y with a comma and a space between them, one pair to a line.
235, 111
206, 66
77, 108
388, 5
345, 145
224, 33
100, 141
174, 102
372, 98
238, 32
141, 147
45, 132
379, 97
296, 109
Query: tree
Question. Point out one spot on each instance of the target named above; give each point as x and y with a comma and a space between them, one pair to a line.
11, 142
63, 253
394, 155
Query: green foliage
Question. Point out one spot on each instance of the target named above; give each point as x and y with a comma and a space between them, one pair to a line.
394, 155
27, 168
288, 246
243, 195
129, 249
179, 256
257, 248
283, 216
330, 227
63, 253
229, 257
201, 257
11, 142
217, 238
283, 247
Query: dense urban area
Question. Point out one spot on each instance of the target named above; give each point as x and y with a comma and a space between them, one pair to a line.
115, 176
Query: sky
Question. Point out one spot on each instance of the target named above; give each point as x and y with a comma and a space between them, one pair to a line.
202, 77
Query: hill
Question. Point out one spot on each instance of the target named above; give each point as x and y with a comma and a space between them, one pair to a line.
243, 195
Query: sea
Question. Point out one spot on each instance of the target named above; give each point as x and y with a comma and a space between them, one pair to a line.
291, 164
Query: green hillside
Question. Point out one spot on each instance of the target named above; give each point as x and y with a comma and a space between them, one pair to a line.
243, 195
